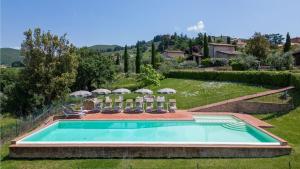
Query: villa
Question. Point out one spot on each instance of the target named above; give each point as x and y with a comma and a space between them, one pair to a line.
220, 50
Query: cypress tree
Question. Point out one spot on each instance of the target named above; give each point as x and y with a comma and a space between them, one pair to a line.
118, 59
287, 45
190, 47
209, 39
153, 57
138, 59
126, 60
228, 40
205, 47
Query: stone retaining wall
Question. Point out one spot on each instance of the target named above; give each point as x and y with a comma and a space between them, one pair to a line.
146, 151
246, 107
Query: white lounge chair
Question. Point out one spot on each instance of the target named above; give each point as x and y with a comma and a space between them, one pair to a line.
118, 106
161, 104
172, 105
149, 105
107, 105
139, 105
128, 106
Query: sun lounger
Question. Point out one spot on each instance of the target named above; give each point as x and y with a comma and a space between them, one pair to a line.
70, 112
98, 105
128, 106
172, 105
149, 105
139, 105
161, 104
118, 106
107, 105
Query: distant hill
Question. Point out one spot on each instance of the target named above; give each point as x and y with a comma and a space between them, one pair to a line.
106, 48
9, 55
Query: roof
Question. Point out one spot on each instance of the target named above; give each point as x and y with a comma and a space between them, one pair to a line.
221, 44
230, 52
295, 40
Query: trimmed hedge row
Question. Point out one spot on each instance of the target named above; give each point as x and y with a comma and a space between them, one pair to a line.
295, 80
280, 79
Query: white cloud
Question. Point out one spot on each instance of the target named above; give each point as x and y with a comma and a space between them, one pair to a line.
199, 27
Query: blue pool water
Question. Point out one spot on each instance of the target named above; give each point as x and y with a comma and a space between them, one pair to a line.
202, 130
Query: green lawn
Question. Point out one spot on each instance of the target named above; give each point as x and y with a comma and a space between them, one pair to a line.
192, 93
285, 126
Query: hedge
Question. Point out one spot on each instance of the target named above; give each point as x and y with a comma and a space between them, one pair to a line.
280, 79
295, 80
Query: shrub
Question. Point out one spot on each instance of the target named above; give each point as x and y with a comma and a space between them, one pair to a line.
295, 80
149, 76
219, 62
252, 77
280, 61
244, 62
206, 62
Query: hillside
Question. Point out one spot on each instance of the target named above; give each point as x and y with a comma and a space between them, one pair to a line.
105, 47
9, 55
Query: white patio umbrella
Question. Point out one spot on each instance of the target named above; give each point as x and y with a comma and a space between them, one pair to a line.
121, 91
101, 91
166, 91
144, 91
81, 93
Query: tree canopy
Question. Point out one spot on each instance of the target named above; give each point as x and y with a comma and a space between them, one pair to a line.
50, 68
258, 46
94, 70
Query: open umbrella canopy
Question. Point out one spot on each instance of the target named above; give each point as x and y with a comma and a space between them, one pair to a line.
144, 91
81, 93
166, 91
121, 91
101, 91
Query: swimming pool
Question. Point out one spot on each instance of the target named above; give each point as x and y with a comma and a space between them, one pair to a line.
202, 130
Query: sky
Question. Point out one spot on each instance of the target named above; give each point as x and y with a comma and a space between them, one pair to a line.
91, 22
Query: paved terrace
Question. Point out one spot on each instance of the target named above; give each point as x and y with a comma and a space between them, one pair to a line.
178, 115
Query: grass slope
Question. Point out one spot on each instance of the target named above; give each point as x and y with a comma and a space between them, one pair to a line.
9, 55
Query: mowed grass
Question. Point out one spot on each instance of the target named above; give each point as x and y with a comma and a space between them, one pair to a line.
285, 126
191, 93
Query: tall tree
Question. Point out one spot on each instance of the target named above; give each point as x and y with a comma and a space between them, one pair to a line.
199, 39
258, 46
209, 39
205, 47
228, 40
153, 56
287, 45
126, 60
138, 59
94, 70
50, 68
274, 39
190, 47
118, 59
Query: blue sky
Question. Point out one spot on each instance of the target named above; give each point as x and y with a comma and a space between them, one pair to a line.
90, 22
